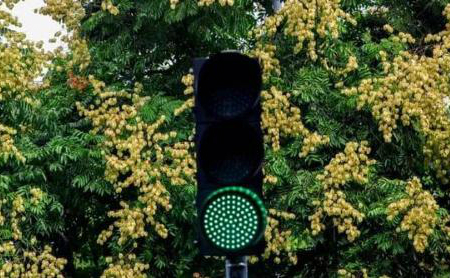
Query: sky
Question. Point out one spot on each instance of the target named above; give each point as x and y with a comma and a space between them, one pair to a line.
36, 26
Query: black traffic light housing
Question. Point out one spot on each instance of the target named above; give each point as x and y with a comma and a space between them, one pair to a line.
229, 145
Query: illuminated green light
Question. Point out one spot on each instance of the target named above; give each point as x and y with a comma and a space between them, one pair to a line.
233, 218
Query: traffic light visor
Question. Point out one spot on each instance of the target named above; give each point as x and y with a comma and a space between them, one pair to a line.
230, 152
229, 85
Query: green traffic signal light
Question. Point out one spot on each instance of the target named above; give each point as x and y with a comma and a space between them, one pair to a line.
233, 218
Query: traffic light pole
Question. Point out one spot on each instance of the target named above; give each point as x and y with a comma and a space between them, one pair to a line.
236, 267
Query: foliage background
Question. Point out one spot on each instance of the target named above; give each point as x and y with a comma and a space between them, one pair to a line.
150, 43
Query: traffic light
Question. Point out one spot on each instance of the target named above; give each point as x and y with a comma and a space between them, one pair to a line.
229, 145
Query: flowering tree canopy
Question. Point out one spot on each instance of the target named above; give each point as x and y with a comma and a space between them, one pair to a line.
97, 166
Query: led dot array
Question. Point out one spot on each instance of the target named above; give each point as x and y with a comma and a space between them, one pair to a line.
230, 103
231, 222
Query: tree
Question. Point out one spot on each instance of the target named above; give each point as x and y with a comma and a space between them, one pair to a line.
98, 161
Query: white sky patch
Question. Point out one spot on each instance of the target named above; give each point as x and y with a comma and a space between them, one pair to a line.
37, 27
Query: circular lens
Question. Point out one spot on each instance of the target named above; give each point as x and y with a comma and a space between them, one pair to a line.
229, 84
230, 152
233, 218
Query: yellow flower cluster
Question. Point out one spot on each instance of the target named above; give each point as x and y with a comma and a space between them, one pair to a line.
108, 5
305, 20
277, 241
136, 156
351, 165
30, 264
18, 68
184, 164
18, 72
388, 28
376, 10
414, 88
36, 195
279, 118
188, 81
404, 38
210, 2
22, 263
17, 210
311, 141
437, 150
80, 53
351, 65
201, 3
265, 53
105, 235
130, 156
7, 247
198, 275
270, 179
125, 266
10, 3
343, 273
130, 224
421, 217
70, 13
7, 148
125, 156
174, 3
188, 104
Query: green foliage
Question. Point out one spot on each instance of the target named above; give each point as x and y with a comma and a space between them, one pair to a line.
62, 159
150, 43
